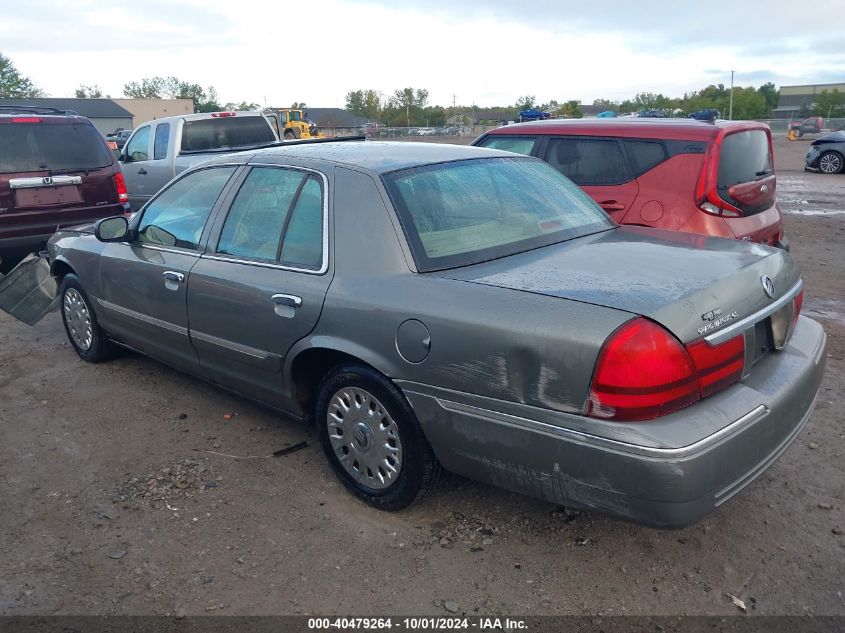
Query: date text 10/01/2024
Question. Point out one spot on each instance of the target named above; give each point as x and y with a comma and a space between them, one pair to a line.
418, 623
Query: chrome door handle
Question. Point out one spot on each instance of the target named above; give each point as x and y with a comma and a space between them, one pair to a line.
172, 279
291, 301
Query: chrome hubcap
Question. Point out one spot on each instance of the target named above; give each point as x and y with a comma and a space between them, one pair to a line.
78, 319
830, 163
364, 437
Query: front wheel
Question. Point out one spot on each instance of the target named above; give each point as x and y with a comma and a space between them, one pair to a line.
372, 438
831, 162
81, 326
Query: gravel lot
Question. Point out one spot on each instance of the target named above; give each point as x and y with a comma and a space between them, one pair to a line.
121, 495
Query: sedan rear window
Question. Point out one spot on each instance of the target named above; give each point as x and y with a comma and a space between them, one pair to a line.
51, 146
226, 132
465, 212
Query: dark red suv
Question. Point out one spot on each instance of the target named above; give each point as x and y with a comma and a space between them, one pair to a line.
680, 174
55, 170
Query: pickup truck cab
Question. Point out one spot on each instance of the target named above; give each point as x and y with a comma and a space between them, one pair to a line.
159, 150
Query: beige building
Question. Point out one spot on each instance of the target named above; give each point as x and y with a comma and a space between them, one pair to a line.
144, 110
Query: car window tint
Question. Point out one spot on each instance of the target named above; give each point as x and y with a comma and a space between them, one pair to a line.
588, 161
303, 243
53, 146
520, 145
744, 157
138, 148
257, 217
230, 131
162, 137
464, 212
645, 155
176, 217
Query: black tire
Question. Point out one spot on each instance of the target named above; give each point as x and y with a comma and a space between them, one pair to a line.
99, 348
831, 162
289, 136
419, 470
799, 132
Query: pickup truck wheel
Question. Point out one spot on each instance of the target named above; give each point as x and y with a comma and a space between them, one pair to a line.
83, 331
831, 162
372, 438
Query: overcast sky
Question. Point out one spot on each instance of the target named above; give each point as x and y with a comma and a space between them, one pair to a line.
487, 53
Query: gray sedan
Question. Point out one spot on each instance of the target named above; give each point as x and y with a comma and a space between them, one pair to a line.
435, 307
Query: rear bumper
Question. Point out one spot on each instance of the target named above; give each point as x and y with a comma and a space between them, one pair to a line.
34, 236
665, 473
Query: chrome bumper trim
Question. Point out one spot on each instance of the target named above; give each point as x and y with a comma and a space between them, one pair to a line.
559, 432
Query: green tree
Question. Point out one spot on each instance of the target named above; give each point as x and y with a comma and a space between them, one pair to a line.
830, 103
88, 92
572, 109
13, 83
526, 102
149, 88
205, 100
770, 94
298, 105
241, 107
367, 103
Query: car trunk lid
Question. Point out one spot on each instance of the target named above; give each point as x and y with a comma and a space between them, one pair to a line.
693, 285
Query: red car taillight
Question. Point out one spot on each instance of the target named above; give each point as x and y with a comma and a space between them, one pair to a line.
718, 365
643, 372
120, 185
707, 196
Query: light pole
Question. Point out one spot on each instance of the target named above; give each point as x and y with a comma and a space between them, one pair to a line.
731, 107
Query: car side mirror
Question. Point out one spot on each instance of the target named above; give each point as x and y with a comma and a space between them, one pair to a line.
114, 229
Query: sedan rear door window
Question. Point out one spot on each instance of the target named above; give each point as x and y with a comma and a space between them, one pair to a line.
589, 161
258, 214
178, 215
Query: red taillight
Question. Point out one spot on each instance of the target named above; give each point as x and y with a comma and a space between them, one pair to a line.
223, 114
120, 185
643, 372
26, 119
718, 365
707, 196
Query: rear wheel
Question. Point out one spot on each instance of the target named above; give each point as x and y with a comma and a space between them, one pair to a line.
289, 136
831, 162
372, 438
83, 331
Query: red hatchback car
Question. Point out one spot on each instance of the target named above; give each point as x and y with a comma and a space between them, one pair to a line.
679, 174
55, 170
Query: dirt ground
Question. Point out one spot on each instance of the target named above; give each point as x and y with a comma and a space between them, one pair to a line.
120, 494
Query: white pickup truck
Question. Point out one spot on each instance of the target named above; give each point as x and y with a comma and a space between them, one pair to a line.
159, 150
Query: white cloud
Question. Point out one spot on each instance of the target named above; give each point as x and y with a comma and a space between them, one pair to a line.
269, 52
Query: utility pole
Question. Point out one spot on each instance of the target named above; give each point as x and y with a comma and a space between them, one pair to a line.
731, 109
454, 99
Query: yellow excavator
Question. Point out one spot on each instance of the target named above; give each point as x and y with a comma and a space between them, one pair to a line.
292, 123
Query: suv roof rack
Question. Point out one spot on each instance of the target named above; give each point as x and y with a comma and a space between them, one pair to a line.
36, 110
